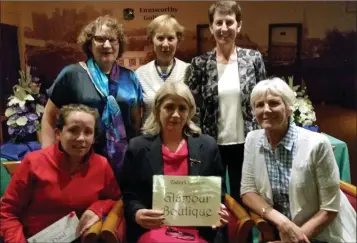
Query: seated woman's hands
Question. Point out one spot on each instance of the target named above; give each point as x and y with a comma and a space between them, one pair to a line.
149, 218
153, 219
290, 232
223, 212
88, 219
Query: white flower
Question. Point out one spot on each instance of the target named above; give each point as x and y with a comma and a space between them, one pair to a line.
11, 121
14, 100
304, 108
29, 97
312, 116
307, 123
303, 116
39, 109
21, 121
10, 111
295, 88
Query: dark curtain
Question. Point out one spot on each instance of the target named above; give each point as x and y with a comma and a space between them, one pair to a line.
9, 66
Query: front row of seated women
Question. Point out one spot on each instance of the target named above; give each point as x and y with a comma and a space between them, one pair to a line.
289, 176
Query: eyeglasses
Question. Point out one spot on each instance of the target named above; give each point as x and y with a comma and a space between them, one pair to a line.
103, 39
179, 234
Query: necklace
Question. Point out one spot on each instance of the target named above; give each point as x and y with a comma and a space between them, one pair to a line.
165, 75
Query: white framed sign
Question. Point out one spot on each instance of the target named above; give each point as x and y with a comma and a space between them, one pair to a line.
188, 200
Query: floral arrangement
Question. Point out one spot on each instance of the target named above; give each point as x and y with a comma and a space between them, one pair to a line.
304, 114
25, 108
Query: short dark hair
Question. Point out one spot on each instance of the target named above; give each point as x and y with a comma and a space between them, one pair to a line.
87, 33
225, 7
68, 109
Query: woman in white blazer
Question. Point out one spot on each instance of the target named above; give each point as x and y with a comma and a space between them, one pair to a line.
290, 176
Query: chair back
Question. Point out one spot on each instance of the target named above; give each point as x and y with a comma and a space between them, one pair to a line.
11, 166
267, 231
240, 224
350, 191
114, 227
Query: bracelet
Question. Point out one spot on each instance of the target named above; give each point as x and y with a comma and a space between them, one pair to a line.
265, 210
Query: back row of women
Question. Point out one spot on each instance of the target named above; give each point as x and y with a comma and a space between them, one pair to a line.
222, 97
124, 98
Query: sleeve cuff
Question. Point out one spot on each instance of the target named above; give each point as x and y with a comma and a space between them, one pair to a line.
102, 208
244, 191
330, 201
96, 210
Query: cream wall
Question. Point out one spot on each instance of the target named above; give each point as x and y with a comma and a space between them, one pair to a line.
317, 16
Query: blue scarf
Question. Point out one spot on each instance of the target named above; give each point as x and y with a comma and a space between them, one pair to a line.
112, 119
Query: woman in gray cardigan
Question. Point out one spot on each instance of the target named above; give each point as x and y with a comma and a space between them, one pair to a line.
290, 175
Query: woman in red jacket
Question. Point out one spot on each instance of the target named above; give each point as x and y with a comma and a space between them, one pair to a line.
65, 177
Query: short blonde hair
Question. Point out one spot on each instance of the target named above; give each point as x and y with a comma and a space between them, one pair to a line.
153, 125
274, 86
166, 21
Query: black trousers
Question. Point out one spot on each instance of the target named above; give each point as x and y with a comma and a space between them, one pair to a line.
232, 157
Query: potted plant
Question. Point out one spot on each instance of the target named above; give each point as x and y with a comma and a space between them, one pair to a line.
25, 108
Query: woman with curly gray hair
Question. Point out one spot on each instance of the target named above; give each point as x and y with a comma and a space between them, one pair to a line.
99, 83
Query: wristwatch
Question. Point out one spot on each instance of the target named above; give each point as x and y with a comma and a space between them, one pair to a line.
265, 210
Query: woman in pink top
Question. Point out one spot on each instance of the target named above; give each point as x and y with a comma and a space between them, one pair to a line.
172, 145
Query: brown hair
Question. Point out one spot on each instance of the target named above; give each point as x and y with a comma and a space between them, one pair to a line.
87, 33
225, 7
167, 21
68, 109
